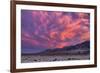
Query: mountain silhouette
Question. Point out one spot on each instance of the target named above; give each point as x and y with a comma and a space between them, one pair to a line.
82, 48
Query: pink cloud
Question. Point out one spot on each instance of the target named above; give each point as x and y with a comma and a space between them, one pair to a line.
66, 28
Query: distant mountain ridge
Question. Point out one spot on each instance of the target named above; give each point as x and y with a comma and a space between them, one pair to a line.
79, 48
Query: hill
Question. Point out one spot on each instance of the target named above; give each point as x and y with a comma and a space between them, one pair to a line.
79, 49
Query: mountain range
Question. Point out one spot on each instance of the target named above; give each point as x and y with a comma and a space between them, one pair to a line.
82, 48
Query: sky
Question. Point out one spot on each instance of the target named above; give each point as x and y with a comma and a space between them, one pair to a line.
41, 30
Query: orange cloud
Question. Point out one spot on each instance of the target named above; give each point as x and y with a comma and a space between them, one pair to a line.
63, 44
67, 35
53, 35
82, 15
64, 20
86, 21
85, 36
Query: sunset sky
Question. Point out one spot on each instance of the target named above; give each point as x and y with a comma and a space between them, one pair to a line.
41, 30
